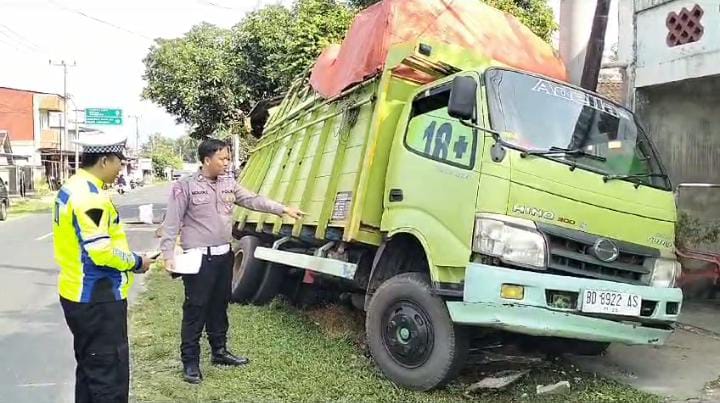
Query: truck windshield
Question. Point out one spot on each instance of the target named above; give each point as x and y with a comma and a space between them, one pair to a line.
597, 135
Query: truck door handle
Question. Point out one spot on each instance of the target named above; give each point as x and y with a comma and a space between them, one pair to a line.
396, 195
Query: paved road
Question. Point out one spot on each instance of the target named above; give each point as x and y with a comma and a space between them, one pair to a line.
37, 363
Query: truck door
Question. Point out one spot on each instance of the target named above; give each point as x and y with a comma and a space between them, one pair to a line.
432, 179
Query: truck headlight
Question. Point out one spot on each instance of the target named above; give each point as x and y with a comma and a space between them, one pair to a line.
513, 241
665, 272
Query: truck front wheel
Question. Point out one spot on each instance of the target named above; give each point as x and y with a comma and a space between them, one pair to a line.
411, 336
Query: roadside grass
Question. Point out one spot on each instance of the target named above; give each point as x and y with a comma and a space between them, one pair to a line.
31, 205
315, 355
42, 201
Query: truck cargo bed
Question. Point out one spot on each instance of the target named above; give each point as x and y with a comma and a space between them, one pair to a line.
312, 155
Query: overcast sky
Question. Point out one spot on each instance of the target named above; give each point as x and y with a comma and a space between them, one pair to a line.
107, 40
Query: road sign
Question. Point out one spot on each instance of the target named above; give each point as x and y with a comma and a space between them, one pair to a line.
103, 116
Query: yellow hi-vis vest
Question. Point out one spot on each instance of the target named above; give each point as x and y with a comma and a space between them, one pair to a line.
90, 244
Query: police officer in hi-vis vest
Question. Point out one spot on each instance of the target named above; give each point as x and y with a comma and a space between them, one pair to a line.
200, 211
96, 272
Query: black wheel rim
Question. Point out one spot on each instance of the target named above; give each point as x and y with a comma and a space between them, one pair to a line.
407, 334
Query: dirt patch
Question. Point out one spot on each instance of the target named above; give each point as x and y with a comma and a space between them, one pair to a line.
337, 321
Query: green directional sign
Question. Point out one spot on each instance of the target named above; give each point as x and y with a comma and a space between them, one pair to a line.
103, 116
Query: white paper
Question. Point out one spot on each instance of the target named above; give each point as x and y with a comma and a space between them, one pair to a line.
188, 262
146, 214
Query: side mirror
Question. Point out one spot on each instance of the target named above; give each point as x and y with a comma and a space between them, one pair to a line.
462, 98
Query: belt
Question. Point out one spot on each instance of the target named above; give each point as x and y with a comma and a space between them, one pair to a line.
212, 250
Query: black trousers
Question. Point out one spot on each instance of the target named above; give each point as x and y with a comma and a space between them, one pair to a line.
101, 350
206, 299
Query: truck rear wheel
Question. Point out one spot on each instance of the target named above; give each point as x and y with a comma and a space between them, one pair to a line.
411, 336
248, 271
270, 284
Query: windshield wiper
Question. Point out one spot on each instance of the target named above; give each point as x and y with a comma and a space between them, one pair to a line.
634, 176
563, 151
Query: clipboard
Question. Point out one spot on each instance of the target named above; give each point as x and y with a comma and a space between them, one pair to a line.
188, 262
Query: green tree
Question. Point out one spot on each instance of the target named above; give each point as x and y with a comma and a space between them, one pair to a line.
211, 76
536, 14
164, 159
192, 78
275, 44
317, 24
163, 153
261, 42
362, 3
186, 148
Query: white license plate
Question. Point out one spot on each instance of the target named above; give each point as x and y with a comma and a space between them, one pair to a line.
610, 302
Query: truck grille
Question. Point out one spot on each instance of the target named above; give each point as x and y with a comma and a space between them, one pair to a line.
570, 252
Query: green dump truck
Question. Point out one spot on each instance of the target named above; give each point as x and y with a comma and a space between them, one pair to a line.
490, 199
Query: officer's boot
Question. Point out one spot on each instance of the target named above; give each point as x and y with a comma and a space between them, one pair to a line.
191, 372
220, 356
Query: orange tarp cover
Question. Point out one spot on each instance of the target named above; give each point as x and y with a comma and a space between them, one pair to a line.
470, 24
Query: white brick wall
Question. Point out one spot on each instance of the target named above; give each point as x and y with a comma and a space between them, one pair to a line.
656, 63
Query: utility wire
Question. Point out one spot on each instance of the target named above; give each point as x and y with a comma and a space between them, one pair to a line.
101, 21
10, 33
213, 4
13, 43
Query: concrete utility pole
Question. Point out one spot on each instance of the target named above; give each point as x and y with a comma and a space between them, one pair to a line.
595, 46
575, 21
137, 131
77, 138
77, 134
63, 135
77, 131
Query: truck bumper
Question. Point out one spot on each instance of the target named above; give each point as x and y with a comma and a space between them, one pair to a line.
535, 314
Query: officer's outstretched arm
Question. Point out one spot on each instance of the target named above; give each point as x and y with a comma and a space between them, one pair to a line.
92, 222
253, 201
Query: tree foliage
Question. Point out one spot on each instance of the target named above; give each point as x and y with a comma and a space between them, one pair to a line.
535, 14
318, 23
187, 148
360, 4
260, 42
211, 77
191, 77
163, 152
692, 232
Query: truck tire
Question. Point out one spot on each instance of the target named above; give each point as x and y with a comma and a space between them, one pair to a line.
3, 211
411, 336
247, 271
270, 284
